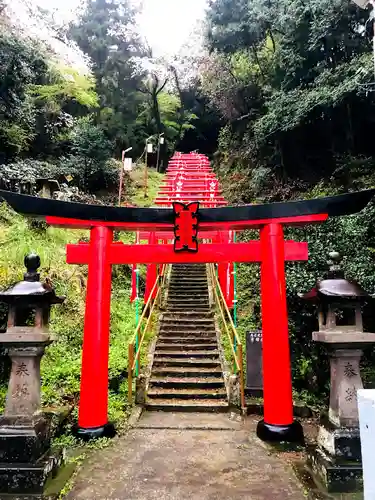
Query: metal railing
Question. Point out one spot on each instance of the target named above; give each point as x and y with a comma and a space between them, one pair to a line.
135, 346
233, 337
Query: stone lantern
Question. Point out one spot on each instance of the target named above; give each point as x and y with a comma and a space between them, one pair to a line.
24, 430
46, 187
337, 459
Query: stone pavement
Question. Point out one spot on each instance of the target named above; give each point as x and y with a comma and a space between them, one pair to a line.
186, 457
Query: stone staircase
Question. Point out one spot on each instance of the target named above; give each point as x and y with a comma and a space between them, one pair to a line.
186, 372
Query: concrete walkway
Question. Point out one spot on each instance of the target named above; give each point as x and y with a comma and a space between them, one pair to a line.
186, 457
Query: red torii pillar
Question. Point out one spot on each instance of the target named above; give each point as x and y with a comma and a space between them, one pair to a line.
151, 274
278, 423
225, 270
93, 422
135, 270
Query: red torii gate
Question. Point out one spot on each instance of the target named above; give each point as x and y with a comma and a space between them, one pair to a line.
222, 252
271, 251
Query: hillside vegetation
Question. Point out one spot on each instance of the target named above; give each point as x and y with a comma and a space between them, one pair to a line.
292, 82
61, 364
279, 94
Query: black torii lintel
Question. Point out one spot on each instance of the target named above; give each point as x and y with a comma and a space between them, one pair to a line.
343, 204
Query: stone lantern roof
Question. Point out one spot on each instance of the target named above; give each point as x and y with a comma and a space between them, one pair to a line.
335, 287
31, 290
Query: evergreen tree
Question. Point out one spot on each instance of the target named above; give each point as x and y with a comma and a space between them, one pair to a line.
105, 33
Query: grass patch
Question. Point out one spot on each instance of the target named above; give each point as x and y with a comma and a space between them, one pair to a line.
137, 177
61, 365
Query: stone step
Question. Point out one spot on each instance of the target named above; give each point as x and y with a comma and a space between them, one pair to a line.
188, 299
188, 294
186, 271
198, 340
193, 405
188, 286
192, 323
177, 354
193, 282
195, 299
189, 270
179, 309
201, 267
187, 303
183, 362
188, 265
182, 324
179, 278
188, 337
182, 346
186, 382
191, 393
188, 316
188, 371
198, 318
183, 292
198, 301
184, 321
193, 279
195, 308
187, 329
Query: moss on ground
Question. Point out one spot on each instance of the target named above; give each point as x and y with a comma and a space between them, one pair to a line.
154, 181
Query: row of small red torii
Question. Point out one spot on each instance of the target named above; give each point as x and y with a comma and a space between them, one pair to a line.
189, 179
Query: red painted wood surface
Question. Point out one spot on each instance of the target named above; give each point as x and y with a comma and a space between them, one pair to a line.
189, 178
300, 220
165, 254
93, 406
277, 377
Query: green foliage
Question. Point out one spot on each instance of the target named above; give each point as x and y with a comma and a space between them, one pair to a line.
292, 81
154, 180
22, 63
105, 33
90, 157
67, 85
61, 364
42, 101
292, 85
38, 98
27, 170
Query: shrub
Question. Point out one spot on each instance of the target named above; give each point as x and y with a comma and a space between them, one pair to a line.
26, 171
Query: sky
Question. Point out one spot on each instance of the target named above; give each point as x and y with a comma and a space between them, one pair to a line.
166, 24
